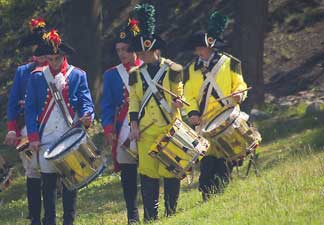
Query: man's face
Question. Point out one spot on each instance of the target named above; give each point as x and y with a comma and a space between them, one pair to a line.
55, 61
203, 52
123, 54
148, 56
41, 59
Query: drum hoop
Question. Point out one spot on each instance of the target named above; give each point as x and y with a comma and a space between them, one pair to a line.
23, 147
50, 149
89, 179
209, 123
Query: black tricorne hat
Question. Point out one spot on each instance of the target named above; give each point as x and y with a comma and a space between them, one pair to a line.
202, 39
212, 37
52, 44
147, 39
37, 29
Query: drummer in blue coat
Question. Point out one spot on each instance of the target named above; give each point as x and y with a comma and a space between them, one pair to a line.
46, 120
115, 101
16, 123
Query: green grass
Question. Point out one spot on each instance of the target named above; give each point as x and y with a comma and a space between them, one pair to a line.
290, 189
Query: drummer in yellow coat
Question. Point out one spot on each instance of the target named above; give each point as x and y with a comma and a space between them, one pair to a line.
213, 75
154, 109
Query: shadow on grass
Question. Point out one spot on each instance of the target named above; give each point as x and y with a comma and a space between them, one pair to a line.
15, 192
285, 127
100, 198
309, 144
11, 215
16, 210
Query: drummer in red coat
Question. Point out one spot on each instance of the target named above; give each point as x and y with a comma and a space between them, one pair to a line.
46, 121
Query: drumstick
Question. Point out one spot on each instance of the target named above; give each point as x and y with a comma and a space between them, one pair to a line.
126, 143
75, 124
238, 92
131, 70
148, 126
115, 123
228, 96
171, 93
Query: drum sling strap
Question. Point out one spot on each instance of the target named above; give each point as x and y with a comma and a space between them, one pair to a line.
57, 95
152, 91
123, 75
209, 85
122, 110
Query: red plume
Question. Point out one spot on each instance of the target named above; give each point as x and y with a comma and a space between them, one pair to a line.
37, 23
133, 25
53, 38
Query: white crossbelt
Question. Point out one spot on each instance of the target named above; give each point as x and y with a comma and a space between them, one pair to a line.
123, 75
152, 89
122, 155
211, 79
50, 79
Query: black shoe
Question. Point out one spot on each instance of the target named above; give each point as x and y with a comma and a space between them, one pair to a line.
171, 195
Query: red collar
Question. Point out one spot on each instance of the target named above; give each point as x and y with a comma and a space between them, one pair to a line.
136, 63
63, 69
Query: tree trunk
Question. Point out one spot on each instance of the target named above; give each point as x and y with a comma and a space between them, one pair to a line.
250, 25
84, 23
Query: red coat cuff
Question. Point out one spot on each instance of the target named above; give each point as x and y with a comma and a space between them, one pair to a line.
33, 137
12, 125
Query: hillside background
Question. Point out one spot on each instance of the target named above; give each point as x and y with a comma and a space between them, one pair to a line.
290, 189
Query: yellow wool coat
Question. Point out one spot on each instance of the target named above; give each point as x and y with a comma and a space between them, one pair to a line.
229, 80
172, 80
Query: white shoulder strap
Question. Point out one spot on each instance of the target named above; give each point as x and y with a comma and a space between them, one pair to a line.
123, 75
153, 89
211, 80
57, 96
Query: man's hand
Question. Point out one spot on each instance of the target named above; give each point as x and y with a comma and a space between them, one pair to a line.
109, 139
34, 145
237, 98
177, 103
11, 138
135, 132
194, 120
86, 120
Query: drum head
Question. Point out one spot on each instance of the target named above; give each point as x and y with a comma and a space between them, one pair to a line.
65, 143
219, 120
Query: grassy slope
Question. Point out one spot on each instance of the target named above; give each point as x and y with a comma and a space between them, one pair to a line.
289, 190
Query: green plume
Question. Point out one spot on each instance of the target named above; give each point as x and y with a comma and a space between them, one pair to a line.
145, 14
216, 24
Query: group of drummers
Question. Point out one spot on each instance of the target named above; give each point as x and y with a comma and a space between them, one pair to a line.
143, 103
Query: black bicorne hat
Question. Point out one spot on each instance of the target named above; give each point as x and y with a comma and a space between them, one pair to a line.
52, 44
37, 28
202, 39
146, 40
212, 37
128, 32
142, 43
